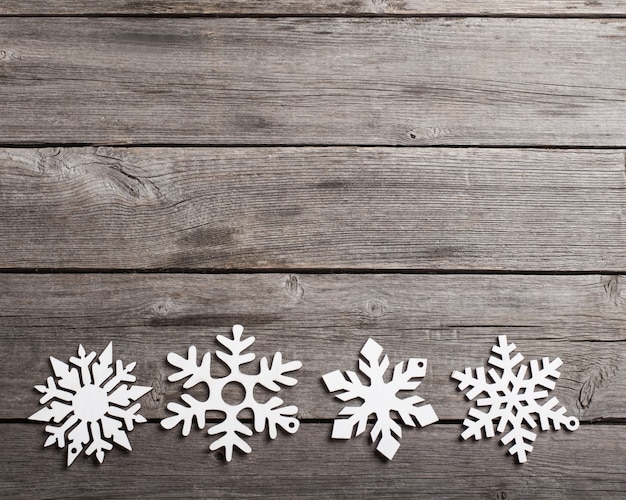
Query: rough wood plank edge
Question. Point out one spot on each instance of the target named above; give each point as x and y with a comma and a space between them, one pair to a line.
416, 81
314, 7
312, 208
323, 321
431, 462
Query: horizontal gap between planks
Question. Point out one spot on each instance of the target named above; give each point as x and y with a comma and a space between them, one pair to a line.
358, 15
191, 145
320, 421
530, 272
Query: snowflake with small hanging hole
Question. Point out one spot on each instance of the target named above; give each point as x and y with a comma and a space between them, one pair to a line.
379, 398
90, 404
513, 399
270, 413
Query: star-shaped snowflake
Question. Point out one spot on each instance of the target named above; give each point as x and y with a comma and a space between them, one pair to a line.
379, 398
269, 413
90, 404
513, 399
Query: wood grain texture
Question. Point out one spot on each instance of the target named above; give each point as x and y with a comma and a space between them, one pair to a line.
303, 208
316, 7
431, 463
322, 320
426, 81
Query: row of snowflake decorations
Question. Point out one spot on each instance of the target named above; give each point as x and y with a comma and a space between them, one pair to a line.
89, 404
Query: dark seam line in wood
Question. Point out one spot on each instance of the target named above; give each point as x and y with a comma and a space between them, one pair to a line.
320, 421
364, 15
295, 270
191, 145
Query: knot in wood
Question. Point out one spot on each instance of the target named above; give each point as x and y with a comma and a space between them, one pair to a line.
157, 390
49, 160
8, 55
375, 308
612, 287
162, 307
585, 394
293, 287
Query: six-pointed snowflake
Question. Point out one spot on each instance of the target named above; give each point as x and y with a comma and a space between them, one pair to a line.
90, 404
379, 398
269, 413
513, 399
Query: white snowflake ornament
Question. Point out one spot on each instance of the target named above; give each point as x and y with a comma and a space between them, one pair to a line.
513, 399
379, 398
90, 404
270, 413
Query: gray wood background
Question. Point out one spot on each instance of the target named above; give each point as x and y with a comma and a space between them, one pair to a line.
431, 174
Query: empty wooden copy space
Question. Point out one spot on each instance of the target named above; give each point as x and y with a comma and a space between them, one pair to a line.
429, 174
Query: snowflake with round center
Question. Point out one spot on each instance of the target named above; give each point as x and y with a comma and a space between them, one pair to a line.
379, 398
90, 404
270, 413
513, 399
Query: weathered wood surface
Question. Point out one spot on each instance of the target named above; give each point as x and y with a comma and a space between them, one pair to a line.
316, 7
431, 463
303, 208
360, 81
313, 81
322, 320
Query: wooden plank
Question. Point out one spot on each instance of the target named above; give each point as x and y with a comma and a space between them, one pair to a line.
430, 463
322, 320
304, 208
315, 7
313, 81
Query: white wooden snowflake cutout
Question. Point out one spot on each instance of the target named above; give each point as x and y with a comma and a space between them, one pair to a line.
270, 413
513, 399
90, 404
379, 398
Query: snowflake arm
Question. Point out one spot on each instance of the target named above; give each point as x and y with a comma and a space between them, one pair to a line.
522, 439
502, 359
51, 391
513, 399
406, 379
186, 414
480, 421
69, 378
57, 434
466, 379
344, 428
271, 376
546, 375
129, 416
389, 432
411, 414
350, 386
272, 414
56, 413
124, 394
112, 429
83, 361
370, 364
98, 443
102, 368
78, 437
231, 430
379, 398
189, 368
235, 357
